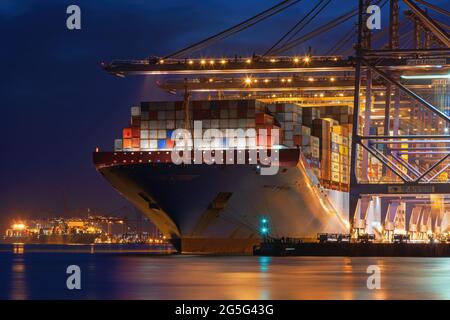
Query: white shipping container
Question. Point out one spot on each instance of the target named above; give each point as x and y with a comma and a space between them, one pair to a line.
251, 142
206, 124
215, 123
162, 134
288, 135
161, 124
135, 111
144, 134
118, 145
145, 144
223, 123
242, 123
315, 153
153, 144
153, 134
288, 142
335, 157
153, 124
315, 142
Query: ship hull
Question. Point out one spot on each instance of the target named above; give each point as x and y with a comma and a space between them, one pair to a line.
220, 208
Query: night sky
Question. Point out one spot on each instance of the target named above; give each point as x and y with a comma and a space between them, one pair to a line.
58, 105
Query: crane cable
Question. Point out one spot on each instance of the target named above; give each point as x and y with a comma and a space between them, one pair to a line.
300, 25
433, 7
235, 29
325, 27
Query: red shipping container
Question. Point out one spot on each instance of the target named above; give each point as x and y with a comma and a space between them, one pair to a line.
135, 143
135, 132
136, 121
169, 143
126, 133
126, 143
153, 115
269, 128
263, 118
297, 140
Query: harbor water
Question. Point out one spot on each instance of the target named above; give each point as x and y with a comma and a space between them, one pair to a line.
144, 272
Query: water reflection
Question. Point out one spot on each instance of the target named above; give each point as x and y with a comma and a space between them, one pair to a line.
137, 275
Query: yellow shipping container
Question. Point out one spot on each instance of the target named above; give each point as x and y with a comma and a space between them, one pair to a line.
343, 150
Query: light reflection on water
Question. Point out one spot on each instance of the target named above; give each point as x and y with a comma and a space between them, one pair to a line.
138, 273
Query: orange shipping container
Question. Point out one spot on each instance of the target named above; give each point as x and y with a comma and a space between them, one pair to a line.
127, 143
169, 143
135, 143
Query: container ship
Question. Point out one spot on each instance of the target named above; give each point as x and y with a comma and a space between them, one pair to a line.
227, 208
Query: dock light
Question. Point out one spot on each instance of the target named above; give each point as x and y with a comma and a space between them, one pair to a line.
223, 61
211, 79
273, 60
321, 95
335, 59
283, 80
307, 59
18, 226
255, 81
332, 79
310, 79
248, 61
211, 62
446, 130
289, 80
296, 60
427, 76
202, 62
248, 80
161, 61
263, 220
191, 62
264, 230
